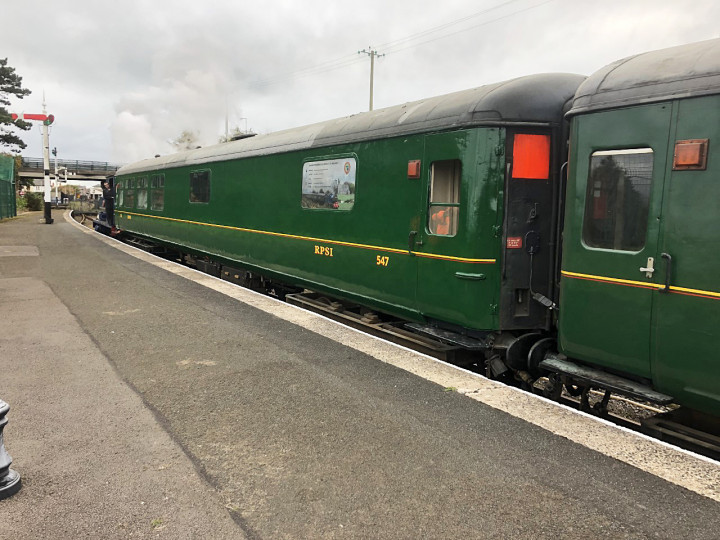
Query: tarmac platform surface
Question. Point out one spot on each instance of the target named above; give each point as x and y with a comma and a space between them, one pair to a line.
152, 401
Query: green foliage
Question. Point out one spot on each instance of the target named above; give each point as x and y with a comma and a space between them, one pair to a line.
32, 202
20, 203
10, 84
187, 140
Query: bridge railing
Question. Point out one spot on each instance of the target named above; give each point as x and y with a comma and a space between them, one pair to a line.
72, 165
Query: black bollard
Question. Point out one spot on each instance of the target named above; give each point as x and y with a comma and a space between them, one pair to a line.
48, 213
9, 479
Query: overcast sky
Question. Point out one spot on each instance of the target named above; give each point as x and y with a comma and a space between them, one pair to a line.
123, 78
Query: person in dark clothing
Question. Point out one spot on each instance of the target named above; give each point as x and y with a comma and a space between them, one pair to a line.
109, 202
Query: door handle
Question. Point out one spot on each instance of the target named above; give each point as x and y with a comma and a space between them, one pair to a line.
668, 271
649, 269
411, 240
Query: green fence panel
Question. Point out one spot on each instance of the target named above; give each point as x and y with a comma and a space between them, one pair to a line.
7, 187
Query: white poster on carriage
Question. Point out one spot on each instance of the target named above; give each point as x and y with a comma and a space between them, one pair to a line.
329, 184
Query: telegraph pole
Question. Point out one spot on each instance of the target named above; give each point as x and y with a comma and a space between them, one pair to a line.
372, 53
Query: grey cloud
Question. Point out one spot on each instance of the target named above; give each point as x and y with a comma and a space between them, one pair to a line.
124, 77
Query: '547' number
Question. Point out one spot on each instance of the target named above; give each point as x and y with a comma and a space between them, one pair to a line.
383, 261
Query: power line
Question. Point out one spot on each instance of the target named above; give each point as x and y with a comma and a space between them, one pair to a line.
395, 45
443, 26
484, 23
323, 67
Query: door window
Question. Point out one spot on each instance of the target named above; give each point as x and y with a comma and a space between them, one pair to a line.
444, 206
618, 199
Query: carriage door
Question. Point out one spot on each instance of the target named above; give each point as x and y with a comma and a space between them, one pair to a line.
611, 262
455, 280
686, 310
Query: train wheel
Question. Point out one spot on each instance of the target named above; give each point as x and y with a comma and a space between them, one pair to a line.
537, 354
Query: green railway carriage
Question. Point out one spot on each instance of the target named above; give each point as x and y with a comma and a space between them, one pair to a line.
452, 212
640, 288
441, 211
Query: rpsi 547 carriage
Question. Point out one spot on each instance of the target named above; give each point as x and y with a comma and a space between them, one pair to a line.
449, 212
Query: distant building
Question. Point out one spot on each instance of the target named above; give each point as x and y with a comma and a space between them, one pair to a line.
94, 192
38, 186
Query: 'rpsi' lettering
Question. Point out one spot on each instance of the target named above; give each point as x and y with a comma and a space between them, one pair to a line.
322, 250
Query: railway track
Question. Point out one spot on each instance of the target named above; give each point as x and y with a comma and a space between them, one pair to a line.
667, 423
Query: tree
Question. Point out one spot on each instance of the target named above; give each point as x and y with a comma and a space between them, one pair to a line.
186, 141
10, 84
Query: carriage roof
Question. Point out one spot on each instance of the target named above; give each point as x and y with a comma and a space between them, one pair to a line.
678, 72
534, 100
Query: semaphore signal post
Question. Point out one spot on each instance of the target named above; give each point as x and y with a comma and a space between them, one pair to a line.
46, 119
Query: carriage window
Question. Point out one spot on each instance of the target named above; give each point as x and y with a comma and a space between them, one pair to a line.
142, 199
444, 207
157, 192
119, 194
618, 199
158, 200
157, 181
329, 184
200, 186
142, 195
129, 198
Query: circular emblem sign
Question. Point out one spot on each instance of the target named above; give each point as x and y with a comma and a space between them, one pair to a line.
347, 167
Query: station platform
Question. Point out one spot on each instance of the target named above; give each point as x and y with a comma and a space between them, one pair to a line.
149, 400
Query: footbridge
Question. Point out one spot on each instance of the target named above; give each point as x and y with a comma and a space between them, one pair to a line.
32, 168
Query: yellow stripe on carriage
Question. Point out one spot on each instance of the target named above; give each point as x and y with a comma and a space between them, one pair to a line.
643, 285
319, 240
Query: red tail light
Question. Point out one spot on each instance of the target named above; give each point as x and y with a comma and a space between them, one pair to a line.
531, 156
